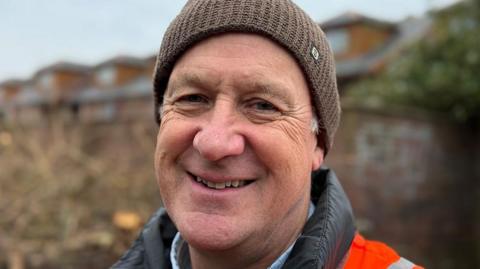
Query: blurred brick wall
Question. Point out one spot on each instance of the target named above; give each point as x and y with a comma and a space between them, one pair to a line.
413, 183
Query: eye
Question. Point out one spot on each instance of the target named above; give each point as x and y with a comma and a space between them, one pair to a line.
263, 106
192, 98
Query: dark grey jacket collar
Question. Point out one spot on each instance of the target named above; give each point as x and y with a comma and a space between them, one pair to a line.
325, 240
328, 234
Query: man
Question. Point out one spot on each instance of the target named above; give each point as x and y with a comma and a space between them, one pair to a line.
247, 102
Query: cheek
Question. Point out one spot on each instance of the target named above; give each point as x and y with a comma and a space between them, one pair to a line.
285, 149
174, 137
288, 161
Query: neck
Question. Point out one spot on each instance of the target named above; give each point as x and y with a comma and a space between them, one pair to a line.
202, 260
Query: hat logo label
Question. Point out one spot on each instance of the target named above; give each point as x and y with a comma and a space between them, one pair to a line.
315, 54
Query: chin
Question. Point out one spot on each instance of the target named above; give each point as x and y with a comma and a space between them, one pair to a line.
210, 233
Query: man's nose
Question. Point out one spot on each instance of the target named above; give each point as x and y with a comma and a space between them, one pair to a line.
219, 136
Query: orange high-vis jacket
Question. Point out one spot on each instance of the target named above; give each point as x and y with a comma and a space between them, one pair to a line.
375, 255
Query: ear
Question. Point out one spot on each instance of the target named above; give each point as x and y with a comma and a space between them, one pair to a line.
317, 158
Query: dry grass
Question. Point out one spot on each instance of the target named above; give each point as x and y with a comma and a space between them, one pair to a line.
61, 186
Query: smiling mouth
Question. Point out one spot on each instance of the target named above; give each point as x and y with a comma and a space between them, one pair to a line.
232, 184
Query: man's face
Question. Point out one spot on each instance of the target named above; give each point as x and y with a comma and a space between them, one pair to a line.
235, 148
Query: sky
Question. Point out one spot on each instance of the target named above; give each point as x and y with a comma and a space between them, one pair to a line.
37, 33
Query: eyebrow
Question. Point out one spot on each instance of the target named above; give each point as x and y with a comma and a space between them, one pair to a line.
271, 88
190, 78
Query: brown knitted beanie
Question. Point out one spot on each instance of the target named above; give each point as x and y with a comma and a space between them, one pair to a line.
280, 20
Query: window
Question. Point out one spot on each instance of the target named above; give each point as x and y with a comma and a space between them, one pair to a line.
106, 76
338, 40
46, 81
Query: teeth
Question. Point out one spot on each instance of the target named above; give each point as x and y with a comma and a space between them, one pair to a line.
222, 185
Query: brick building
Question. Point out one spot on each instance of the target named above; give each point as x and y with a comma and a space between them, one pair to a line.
363, 46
